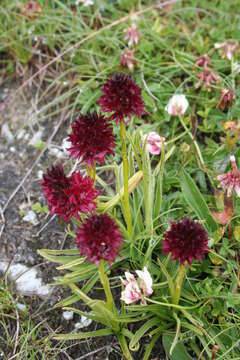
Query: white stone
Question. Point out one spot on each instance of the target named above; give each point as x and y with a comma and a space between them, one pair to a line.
67, 315
12, 149
66, 145
56, 152
7, 134
36, 139
21, 307
26, 280
31, 217
20, 134
83, 323
40, 174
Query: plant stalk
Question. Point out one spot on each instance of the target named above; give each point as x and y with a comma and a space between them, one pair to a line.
179, 283
106, 286
127, 210
193, 140
91, 171
124, 347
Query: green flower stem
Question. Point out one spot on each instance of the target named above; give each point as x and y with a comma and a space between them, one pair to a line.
125, 350
106, 285
127, 210
91, 171
192, 138
179, 283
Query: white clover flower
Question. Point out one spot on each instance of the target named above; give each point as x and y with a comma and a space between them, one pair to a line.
177, 105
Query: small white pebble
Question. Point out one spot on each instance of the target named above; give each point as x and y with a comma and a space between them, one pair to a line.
67, 315
26, 136
83, 323
20, 306
12, 149
66, 145
7, 134
56, 152
20, 134
31, 217
40, 174
36, 139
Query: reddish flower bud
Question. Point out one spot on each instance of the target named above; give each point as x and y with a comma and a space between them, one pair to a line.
203, 61
231, 180
132, 35
207, 78
128, 59
226, 99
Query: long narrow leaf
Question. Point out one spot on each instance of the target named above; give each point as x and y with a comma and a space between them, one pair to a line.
196, 201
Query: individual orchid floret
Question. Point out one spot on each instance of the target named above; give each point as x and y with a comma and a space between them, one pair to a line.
99, 238
132, 292
132, 35
231, 180
186, 240
128, 59
55, 185
91, 138
122, 97
136, 290
177, 105
207, 78
227, 48
226, 99
67, 196
203, 61
82, 194
145, 281
154, 143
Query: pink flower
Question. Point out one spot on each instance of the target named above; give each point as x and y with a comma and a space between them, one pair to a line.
128, 59
136, 290
226, 99
227, 48
154, 143
132, 34
132, 292
145, 281
231, 180
207, 78
177, 105
203, 61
